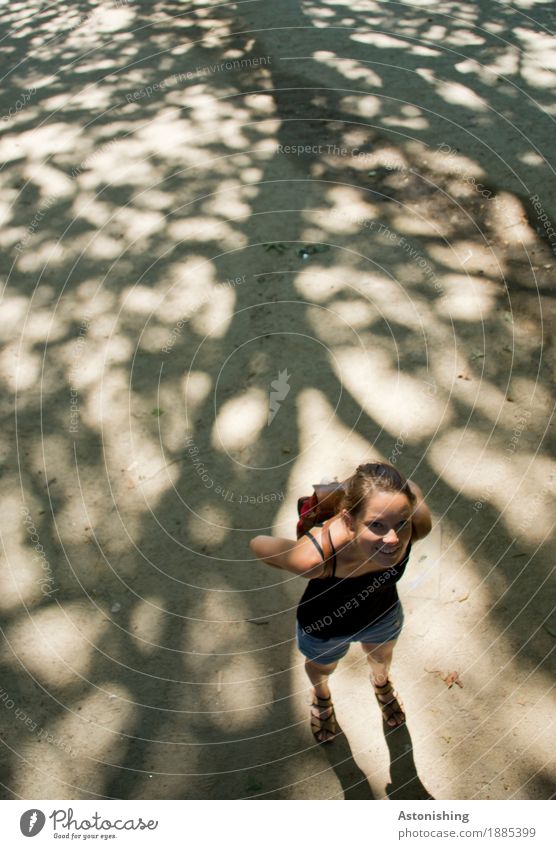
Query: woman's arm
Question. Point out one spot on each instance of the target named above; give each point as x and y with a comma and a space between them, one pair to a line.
297, 556
421, 520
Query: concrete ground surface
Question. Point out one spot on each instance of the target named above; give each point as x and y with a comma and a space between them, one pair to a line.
244, 247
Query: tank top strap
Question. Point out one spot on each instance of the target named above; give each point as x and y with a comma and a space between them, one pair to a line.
315, 543
328, 548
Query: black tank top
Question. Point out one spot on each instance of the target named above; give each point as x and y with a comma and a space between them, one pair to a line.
341, 607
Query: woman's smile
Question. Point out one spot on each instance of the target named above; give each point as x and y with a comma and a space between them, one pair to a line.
389, 551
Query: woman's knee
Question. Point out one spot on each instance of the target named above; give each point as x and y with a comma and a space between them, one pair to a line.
381, 652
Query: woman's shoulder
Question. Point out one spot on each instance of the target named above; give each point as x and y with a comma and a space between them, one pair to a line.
308, 554
338, 531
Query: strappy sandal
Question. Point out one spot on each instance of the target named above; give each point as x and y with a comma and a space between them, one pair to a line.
319, 723
392, 706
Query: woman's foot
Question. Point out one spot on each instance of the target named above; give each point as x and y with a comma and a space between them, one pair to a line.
323, 718
392, 710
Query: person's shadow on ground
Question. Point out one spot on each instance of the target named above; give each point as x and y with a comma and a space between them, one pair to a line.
405, 782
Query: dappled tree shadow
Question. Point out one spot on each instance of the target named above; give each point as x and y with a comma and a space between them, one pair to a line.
155, 282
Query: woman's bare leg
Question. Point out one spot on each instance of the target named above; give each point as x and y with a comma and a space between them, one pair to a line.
318, 676
379, 657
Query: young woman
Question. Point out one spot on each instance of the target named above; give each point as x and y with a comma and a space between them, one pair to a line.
352, 563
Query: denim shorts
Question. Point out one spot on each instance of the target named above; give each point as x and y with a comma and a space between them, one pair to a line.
314, 648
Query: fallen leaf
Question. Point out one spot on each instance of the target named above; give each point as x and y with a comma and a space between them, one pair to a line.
452, 678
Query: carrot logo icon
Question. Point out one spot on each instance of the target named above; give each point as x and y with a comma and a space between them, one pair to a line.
281, 388
32, 822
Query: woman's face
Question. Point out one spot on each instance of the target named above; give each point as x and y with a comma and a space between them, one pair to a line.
384, 529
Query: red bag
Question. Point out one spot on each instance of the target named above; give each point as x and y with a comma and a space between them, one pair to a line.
323, 504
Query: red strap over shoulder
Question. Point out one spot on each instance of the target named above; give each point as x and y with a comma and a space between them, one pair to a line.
323, 504
306, 512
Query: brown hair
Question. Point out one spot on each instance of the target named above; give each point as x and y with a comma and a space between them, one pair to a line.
368, 479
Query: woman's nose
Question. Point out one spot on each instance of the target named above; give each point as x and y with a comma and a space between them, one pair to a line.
391, 538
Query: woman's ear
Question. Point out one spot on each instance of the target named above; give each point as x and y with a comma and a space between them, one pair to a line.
348, 521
